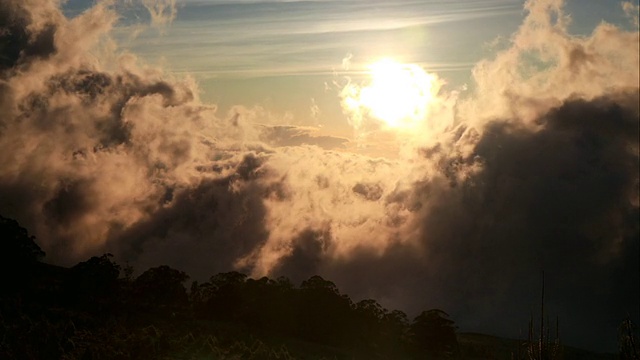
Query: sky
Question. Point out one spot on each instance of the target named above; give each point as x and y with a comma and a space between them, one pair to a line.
426, 154
284, 57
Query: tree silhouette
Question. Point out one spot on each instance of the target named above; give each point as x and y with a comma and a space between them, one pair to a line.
223, 294
19, 254
368, 316
96, 310
395, 331
16, 246
323, 313
434, 333
92, 285
628, 341
161, 288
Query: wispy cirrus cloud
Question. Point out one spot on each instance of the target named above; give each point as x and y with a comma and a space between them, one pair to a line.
282, 37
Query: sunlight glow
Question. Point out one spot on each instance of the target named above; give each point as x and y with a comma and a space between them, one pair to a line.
397, 94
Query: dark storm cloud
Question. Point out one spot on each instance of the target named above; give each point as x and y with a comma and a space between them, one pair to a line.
372, 192
208, 219
18, 44
561, 198
69, 202
309, 249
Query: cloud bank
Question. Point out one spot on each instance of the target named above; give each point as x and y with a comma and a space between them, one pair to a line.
536, 169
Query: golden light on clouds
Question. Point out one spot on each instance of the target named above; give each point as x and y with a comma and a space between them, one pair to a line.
397, 95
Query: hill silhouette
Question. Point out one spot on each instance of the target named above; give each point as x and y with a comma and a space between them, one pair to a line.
98, 310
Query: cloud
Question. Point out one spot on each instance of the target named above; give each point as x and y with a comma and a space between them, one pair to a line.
523, 80
283, 135
631, 10
162, 12
346, 62
534, 169
559, 199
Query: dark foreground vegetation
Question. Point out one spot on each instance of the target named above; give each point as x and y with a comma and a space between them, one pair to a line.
98, 310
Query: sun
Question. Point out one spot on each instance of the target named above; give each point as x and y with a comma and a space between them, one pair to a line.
396, 94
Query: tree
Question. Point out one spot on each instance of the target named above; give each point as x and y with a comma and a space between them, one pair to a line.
368, 316
223, 296
323, 313
434, 333
161, 288
16, 246
628, 341
228, 279
317, 283
395, 330
542, 348
93, 284
19, 254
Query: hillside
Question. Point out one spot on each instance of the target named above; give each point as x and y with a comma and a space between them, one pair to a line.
98, 310
476, 346
46, 319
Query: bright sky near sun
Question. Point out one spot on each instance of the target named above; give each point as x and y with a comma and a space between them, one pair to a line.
290, 60
398, 95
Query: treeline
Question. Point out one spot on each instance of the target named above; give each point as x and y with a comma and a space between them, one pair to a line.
98, 310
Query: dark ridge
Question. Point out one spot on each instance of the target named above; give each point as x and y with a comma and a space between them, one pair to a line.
97, 309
